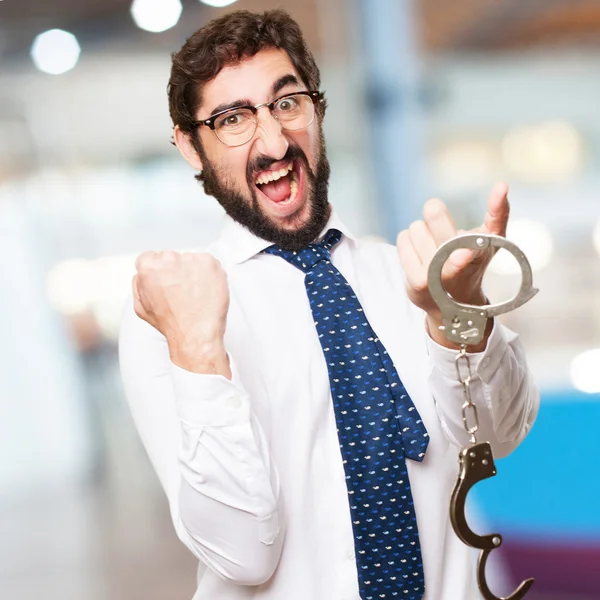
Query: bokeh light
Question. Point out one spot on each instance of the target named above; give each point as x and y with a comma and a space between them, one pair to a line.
533, 238
218, 3
585, 371
450, 158
55, 51
547, 152
98, 286
156, 15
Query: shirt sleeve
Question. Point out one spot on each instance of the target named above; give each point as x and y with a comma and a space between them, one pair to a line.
502, 389
210, 454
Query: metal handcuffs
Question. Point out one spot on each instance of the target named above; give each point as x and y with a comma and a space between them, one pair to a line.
465, 324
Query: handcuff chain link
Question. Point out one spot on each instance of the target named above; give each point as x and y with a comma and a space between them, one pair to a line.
469, 410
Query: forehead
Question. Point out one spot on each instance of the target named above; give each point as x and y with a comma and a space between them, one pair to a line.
252, 78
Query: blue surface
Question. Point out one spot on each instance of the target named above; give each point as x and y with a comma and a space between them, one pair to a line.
550, 485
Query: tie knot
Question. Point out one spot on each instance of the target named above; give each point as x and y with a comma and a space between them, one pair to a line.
308, 257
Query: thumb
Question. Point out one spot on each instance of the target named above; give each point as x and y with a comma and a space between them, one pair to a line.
457, 262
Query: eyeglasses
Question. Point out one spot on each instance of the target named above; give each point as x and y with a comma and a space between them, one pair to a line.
236, 126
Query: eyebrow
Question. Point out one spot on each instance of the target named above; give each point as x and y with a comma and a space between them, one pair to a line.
229, 105
277, 86
282, 82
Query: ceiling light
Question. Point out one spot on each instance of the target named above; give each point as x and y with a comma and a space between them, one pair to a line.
585, 371
156, 15
55, 51
217, 3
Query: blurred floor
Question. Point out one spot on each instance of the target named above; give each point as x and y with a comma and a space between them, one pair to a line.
89, 544
109, 538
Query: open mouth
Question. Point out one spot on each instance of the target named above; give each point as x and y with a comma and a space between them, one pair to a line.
280, 186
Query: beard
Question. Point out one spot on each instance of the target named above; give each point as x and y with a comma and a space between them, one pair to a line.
247, 212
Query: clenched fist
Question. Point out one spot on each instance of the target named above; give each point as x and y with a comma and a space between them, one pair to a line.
463, 272
185, 296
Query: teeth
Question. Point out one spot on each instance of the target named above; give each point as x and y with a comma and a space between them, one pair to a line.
293, 189
274, 175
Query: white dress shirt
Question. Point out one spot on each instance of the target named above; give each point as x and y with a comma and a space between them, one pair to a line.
252, 467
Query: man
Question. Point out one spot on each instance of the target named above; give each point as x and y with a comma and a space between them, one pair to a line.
291, 385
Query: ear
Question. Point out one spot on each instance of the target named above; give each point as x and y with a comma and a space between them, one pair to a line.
184, 144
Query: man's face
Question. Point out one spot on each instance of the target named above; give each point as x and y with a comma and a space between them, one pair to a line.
292, 210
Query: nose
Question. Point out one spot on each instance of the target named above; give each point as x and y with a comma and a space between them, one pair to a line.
270, 139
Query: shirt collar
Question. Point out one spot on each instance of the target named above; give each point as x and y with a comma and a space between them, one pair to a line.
236, 244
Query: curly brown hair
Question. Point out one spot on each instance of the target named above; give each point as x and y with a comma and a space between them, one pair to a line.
227, 41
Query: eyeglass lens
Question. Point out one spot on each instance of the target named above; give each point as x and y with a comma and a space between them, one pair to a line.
237, 126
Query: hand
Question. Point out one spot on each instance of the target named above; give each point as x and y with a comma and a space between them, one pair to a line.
463, 272
186, 298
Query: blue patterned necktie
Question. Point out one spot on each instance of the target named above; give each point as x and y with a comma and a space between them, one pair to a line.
378, 427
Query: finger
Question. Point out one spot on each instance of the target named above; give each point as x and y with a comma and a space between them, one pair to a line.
439, 221
457, 262
422, 241
411, 263
144, 258
498, 209
138, 307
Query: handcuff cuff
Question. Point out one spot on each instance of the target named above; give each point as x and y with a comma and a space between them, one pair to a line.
465, 324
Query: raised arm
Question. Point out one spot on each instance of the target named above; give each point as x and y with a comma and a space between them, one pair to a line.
503, 390
195, 419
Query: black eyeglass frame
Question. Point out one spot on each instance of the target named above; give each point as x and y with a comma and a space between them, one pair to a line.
315, 96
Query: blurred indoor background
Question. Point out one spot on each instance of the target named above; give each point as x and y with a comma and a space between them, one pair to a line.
426, 98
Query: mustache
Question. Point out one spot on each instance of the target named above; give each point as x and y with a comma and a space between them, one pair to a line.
263, 163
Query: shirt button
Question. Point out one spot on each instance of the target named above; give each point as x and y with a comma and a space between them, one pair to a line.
350, 554
485, 362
